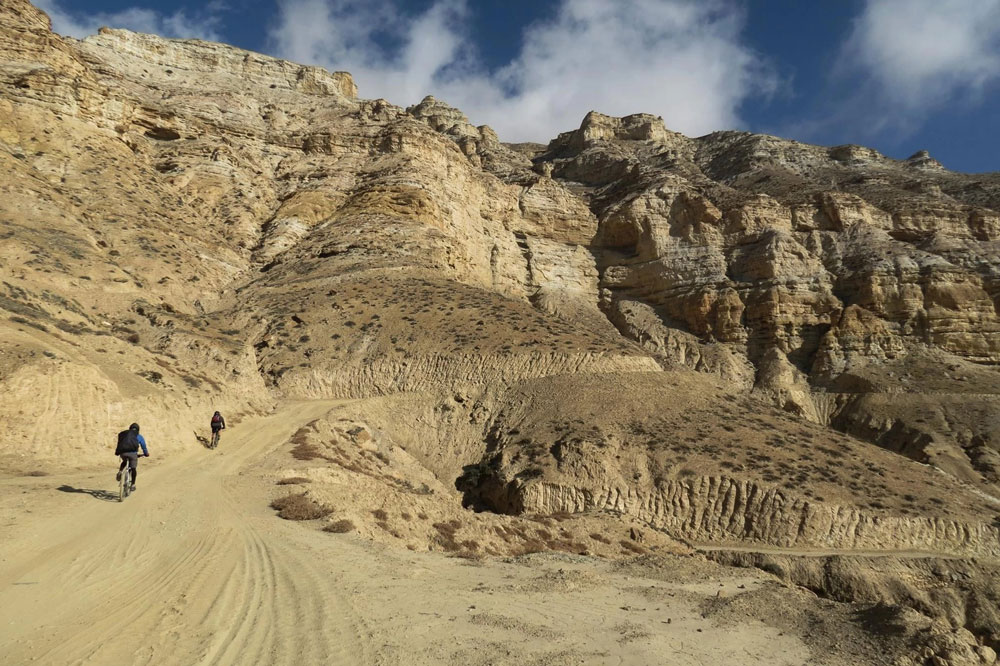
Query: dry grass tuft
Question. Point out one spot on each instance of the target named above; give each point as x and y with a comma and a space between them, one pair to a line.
340, 527
293, 480
305, 449
628, 545
299, 507
446, 535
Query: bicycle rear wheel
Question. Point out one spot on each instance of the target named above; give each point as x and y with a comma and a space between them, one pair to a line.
123, 483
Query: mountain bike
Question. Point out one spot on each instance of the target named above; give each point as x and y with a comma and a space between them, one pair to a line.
215, 439
124, 483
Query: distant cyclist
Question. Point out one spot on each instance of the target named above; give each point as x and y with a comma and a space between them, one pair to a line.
218, 423
129, 442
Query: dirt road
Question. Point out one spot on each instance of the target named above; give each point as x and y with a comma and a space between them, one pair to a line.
195, 569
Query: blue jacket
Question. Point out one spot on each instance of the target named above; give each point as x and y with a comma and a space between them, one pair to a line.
142, 443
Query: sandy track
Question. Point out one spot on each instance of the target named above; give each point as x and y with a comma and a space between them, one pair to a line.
195, 569
177, 567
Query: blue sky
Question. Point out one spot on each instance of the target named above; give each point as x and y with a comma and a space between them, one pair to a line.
898, 75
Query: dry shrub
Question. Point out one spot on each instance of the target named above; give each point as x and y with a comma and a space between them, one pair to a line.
299, 507
195, 383
37, 472
340, 527
446, 535
350, 466
292, 480
380, 515
635, 548
306, 451
600, 537
566, 546
527, 547
521, 541
424, 489
448, 528
405, 516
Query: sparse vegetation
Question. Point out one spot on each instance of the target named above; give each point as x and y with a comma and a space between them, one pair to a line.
27, 322
299, 507
340, 526
152, 376
632, 546
293, 480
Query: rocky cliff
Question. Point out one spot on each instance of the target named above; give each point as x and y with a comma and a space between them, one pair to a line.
680, 330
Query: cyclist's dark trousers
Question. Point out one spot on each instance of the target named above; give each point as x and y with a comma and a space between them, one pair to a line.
132, 460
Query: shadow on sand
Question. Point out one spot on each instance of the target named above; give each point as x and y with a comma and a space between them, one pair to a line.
103, 495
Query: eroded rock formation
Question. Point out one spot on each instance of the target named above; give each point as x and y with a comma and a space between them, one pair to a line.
186, 225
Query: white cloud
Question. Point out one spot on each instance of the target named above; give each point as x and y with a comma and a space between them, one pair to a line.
139, 19
682, 59
342, 35
911, 56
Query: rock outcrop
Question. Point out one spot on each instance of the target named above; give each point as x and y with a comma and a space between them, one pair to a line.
790, 268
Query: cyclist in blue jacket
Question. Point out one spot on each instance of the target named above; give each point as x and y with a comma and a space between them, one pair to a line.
129, 442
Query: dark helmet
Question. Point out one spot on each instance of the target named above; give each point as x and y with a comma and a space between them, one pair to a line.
134, 426
217, 413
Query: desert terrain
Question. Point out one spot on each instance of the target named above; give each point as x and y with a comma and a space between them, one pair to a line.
628, 397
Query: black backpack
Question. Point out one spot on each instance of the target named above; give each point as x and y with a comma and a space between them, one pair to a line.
128, 442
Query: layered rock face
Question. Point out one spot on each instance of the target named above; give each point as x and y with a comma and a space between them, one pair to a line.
796, 270
188, 226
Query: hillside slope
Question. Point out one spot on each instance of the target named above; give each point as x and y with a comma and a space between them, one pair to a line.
629, 319
606, 345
